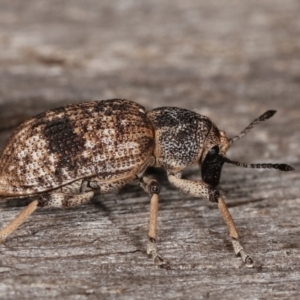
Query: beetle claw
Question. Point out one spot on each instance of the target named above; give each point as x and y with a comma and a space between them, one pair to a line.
239, 250
158, 260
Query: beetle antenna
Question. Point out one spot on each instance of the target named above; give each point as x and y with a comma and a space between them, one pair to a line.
280, 167
267, 115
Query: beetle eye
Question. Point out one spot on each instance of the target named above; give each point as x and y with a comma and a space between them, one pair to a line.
212, 153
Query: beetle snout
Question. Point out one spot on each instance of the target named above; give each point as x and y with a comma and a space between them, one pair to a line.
211, 165
211, 170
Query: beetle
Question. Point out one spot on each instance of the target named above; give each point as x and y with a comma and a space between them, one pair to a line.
62, 157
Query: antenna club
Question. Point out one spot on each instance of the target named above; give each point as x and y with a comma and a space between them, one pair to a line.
268, 114
280, 167
285, 168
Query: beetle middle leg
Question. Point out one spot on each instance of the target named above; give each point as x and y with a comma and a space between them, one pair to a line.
201, 189
151, 186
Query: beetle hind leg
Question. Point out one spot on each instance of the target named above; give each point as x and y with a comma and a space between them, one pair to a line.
151, 186
45, 200
15, 223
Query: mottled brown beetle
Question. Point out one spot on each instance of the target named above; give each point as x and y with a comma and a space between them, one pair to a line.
64, 156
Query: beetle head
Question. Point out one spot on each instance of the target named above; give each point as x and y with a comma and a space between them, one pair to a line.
216, 146
212, 160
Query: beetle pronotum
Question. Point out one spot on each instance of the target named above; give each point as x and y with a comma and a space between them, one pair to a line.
62, 157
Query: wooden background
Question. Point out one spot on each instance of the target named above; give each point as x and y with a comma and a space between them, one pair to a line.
232, 60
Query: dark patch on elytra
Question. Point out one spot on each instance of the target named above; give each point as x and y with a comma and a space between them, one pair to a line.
109, 107
64, 142
119, 125
113, 106
40, 118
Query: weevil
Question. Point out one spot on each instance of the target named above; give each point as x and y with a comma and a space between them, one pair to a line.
62, 157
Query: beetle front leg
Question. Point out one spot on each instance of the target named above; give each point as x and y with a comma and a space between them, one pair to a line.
201, 189
151, 186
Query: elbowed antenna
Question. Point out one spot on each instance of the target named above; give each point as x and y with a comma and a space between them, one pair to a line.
280, 167
267, 115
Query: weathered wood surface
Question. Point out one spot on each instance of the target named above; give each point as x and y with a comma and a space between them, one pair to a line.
232, 60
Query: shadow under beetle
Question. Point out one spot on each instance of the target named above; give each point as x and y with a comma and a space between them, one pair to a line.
62, 157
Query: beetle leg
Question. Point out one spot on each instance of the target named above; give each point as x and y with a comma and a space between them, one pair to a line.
237, 247
201, 189
151, 186
46, 200
64, 200
15, 223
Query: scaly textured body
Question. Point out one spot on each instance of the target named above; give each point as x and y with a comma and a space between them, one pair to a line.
108, 139
180, 136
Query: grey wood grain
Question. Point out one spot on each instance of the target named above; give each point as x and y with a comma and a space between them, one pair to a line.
231, 60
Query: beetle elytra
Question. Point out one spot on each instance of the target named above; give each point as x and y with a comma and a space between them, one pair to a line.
62, 157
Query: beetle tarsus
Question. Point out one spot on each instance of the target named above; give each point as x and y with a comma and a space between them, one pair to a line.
158, 260
239, 250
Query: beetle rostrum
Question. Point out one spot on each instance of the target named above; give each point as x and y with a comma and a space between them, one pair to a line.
64, 156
